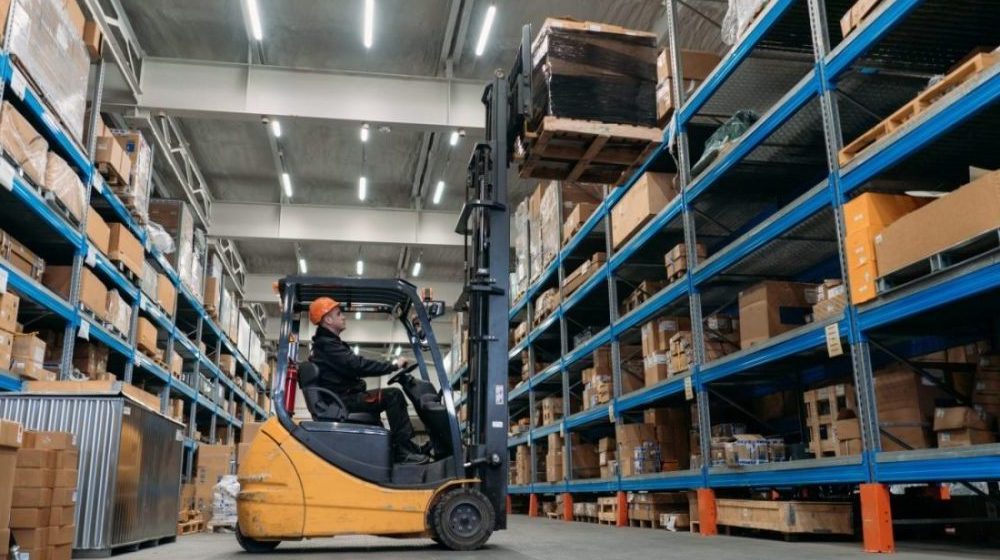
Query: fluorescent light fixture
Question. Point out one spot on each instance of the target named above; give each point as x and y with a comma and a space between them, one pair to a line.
360, 268
364, 132
362, 189
438, 192
416, 269
454, 138
255, 28
357, 349
286, 183
369, 22
302, 266
484, 33
399, 350
357, 315
276, 128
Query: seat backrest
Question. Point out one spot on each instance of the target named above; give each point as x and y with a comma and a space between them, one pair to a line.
325, 407
308, 374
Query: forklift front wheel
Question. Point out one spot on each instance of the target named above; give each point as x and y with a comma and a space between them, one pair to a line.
254, 546
462, 519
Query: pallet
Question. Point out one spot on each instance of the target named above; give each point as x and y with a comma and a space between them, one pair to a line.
641, 294
124, 270
111, 175
212, 312
966, 72
190, 527
643, 523
787, 517
155, 354
57, 205
977, 247
586, 151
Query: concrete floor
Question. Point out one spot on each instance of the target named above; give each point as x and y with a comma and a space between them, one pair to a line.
545, 539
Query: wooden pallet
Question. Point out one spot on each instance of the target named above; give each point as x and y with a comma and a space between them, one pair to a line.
920, 104
586, 151
643, 523
641, 294
823, 405
787, 517
212, 312
59, 206
110, 174
190, 527
154, 354
979, 246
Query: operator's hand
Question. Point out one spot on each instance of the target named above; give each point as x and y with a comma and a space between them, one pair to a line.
401, 363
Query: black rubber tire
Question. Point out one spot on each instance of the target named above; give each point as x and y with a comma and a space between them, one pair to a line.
462, 519
254, 546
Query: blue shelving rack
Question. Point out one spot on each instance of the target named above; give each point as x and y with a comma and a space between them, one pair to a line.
60, 239
819, 95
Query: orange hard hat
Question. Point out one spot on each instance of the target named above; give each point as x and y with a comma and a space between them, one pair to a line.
320, 307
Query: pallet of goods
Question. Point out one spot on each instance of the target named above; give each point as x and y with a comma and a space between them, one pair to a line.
594, 103
787, 517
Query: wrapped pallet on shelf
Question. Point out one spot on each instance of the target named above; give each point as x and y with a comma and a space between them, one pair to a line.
119, 313
62, 182
93, 292
126, 249
112, 160
98, 231
673, 428
905, 405
519, 238
45, 40
135, 193
557, 200
23, 144
656, 335
695, 68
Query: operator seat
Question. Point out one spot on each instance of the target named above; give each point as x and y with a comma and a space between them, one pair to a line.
324, 405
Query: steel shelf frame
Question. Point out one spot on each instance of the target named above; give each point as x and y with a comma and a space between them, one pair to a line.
968, 280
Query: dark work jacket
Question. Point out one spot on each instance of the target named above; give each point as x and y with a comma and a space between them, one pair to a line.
340, 369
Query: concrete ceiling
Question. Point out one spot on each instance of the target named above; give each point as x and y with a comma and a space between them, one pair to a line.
325, 158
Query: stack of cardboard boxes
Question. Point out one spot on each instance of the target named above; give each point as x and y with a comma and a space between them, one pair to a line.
672, 428
905, 404
522, 467
607, 449
656, 335
831, 300
865, 217
651, 507
214, 462
770, 308
695, 68
677, 260
961, 426
645, 199
44, 497
9, 304
11, 439
584, 459
552, 410
638, 449
27, 358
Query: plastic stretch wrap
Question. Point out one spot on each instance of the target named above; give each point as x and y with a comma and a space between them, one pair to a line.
119, 313
140, 155
23, 143
607, 77
738, 18
224, 501
720, 140
160, 238
62, 181
149, 281
519, 231
48, 46
192, 276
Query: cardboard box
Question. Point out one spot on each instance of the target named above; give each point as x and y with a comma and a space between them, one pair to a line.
9, 305
59, 552
31, 539
59, 516
227, 364
61, 535
56, 441
176, 364
32, 497
146, 334
28, 356
961, 417
964, 437
36, 459
63, 182
695, 65
67, 459
848, 428
34, 478
771, 308
6, 349
90, 358
969, 211
23, 143
900, 389
862, 280
63, 497
29, 518
166, 293
875, 211
93, 39
110, 155
123, 247
93, 292
64, 478
11, 439
859, 248
98, 231
212, 293
650, 194
580, 213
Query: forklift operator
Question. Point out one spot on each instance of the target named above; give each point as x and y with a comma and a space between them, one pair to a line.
341, 371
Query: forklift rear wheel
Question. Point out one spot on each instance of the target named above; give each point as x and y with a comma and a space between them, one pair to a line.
462, 519
254, 546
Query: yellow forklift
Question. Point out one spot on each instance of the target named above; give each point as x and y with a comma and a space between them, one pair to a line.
333, 474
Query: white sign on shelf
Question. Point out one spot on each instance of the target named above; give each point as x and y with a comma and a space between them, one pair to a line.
834, 347
3, 281
7, 175
611, 413
688, 388
97, 183
91, 258
84, 330
18, 84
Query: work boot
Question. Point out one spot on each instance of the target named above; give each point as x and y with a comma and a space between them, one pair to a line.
407, 452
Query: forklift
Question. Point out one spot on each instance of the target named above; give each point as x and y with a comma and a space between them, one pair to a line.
333, 475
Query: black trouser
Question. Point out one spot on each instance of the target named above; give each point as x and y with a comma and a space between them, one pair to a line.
393, 402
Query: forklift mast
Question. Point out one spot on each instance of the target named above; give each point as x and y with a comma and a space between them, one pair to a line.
485, 224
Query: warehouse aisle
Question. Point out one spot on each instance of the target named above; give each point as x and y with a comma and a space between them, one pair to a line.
540, 539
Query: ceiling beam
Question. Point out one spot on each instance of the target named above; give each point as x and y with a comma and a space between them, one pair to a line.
259, 288
232, 90
352, 224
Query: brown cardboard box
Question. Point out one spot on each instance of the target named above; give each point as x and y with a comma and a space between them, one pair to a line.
32, 497
98, 231
146, 334
36, 458
166, 293
110, 153
28, 356
848, 428
93, 39
34, 478
899, 389
9, 304
960, 417
695, 65
580, 213
125, 248
31, 539
650, 194
63, 497
63, 182
862, 280
771, 308
176, 364
6, 348
859, 247
4, 540
60, 552
56, 441
90, 358
29, 518
23, 143
227, 363
964, 437
11, 439
68, 459
61, 535
875, 211
93, 292
212, 292
969, 211
60, 516
64, 478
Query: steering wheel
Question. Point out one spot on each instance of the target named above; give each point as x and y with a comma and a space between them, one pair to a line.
398, 377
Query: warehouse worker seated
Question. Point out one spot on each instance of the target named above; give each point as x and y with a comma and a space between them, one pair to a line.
342, 371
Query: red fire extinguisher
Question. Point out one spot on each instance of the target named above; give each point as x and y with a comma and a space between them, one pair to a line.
291, 378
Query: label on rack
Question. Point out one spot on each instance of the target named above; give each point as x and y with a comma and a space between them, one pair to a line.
97, 183
50, 121
688, 388
7, 175
498, 425
18, 84
562, 430
498, 392
833, 346
91, 258
611, 413
179, 436
126, 411
84, 330
3, 281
